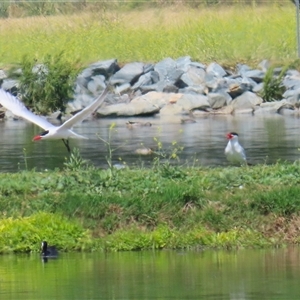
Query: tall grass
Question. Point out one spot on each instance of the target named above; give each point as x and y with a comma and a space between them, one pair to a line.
224, 34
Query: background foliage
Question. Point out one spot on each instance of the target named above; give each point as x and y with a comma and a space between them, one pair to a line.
47, 85
228, 34
48, 7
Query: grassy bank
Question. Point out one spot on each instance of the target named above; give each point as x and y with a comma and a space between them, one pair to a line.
225, 34
160, 207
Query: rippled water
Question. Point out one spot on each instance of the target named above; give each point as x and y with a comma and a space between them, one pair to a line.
271, 274
265, 139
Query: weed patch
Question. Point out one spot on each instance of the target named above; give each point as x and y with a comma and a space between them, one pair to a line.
284, 201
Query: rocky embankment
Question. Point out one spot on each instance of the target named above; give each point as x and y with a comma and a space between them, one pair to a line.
179, 86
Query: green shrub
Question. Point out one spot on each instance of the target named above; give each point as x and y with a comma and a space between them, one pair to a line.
273, 88
75, 161
47, 86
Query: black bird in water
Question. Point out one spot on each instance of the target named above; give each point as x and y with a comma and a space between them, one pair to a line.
48, 251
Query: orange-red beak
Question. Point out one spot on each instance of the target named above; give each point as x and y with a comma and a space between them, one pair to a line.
37, 138
229, 136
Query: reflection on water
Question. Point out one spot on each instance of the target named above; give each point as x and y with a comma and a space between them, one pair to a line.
266, 139
231, 275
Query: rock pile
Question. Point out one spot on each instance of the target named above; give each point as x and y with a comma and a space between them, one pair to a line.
179, 87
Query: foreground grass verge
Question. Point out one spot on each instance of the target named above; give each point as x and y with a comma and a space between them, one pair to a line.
225, 34
157, 208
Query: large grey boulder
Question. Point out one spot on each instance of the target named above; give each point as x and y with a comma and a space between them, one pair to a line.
242, 69
218, 100
145, 80
216, 70
183, 63
292, 81
236, 89
106, 68
80, 102
180, 73
167, 70
193, 76
195, 89
292, 96
258, 88
190, 102
125, 87
128, 74
170, 72
96, 84
137, 107
256, 75
10, 85
246, 100
91, 81
273, 107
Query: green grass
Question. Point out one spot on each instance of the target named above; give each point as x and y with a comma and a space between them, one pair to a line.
135, 209
225, 34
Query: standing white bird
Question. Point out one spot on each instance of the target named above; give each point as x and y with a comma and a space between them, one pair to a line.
51, 131
234, 152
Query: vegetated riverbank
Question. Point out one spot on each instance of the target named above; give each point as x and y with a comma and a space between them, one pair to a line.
226, 34
157, 208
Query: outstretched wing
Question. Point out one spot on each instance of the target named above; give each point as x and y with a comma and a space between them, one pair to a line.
86, 111
13, 104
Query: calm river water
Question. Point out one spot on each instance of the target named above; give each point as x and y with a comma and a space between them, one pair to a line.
229, 275
266, 140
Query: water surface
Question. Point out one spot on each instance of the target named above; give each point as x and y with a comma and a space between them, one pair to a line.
266, 139
235, 275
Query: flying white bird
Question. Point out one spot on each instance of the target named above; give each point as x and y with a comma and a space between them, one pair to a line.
234, 152
51, 131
